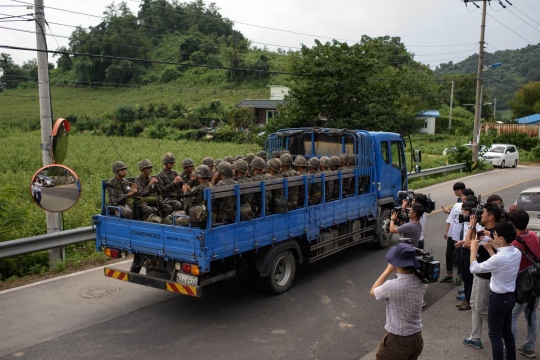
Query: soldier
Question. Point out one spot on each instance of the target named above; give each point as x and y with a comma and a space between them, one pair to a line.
257, 167
195, 205
301, 165
335, 163
148, 189
240, 171
315, 189
216, 163
124, 195
276, 154
239, 157
329, 185
288, 171
208, 161
187, 175
285, 152
170, 183
225, 208
262, 154
279, 203
249, 158
347, 183
229, 159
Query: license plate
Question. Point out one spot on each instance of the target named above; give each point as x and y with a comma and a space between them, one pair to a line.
187, 279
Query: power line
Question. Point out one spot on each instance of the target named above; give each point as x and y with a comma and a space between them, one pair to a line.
511, 12
529, 5
509, 28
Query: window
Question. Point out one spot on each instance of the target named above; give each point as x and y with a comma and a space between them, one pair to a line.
396, 154
384, 152
528, 202
270, 114
425, 124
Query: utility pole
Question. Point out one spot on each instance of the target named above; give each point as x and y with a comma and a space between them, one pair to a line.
54, 223
451, 104
495, 109
478, 104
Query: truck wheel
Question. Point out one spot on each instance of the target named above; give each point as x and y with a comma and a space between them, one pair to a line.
384, 237
282, 273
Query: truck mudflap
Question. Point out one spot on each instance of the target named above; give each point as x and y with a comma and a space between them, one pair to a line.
175, 287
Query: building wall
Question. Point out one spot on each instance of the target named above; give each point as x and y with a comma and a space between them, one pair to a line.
278, 92
261, 116
429, 127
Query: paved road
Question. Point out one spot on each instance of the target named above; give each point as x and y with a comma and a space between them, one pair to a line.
328, 314
59, 198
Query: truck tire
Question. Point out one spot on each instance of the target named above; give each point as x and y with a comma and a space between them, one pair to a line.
384, 237
282, 272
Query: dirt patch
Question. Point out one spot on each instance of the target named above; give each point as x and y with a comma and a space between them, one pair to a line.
30, 279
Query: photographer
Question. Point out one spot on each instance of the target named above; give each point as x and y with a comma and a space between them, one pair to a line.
411, 230
480, 292
503, 267
422, 200
520, 219
403, 296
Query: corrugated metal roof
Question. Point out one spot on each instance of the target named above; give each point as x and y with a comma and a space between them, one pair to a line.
531, 119
429, 113
261, 104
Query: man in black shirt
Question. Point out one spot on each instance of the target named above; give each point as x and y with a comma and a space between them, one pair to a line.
480, 291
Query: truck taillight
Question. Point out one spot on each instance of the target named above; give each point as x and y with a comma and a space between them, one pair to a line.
190, 269
112, 253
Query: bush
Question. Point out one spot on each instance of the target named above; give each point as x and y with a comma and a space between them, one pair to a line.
534, 155
125, 113
187, 135
522, 141
169, 74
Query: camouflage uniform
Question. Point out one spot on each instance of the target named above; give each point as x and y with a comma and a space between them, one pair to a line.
278, 195
150, 195
329, 185
225, 208
117, 191
348, 182
195, 201
246, 212
258, 163
286, 160
169, 190
315, 189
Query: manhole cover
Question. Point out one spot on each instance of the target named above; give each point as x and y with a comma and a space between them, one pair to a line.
99, 292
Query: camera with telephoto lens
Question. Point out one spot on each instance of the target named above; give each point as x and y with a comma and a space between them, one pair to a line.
429, 269
478, 211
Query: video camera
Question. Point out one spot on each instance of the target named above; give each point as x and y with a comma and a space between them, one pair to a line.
403, 214
478, 211
430, 269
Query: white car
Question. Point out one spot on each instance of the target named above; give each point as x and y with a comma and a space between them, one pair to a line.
529, 200
503, 155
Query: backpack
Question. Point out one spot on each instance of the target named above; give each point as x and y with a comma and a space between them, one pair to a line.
528, 280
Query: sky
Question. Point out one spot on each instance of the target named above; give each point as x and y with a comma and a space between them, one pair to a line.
436, 31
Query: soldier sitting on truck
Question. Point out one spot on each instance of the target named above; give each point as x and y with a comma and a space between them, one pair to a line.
225, 208
329, 185
170, 183
315, 189
208, 161
257, 167
240, 172
288, 171
279, 203
301, 165
148, 189
187, 175
123, 195
348, 182
195, 205
335, 164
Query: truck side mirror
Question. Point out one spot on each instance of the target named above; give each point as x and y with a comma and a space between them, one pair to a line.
417, 155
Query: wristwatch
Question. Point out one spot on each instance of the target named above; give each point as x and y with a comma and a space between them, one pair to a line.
470, 227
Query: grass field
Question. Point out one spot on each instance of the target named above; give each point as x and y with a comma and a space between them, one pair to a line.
20, 108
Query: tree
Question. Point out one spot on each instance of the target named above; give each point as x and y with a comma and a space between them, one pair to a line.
526, 101
241, 117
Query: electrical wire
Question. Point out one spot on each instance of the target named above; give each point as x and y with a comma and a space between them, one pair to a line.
510, 11
509, 28
514, 6
529, 5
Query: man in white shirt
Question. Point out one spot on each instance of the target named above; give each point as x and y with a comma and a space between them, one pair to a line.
504, 267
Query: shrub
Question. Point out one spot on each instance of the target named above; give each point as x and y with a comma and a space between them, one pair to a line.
534, 155
125, 113
187, 135
169, 74
522, 141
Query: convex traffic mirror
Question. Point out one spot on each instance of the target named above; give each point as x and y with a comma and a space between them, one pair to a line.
55, 188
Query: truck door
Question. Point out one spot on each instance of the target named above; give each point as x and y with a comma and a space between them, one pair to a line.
399, 167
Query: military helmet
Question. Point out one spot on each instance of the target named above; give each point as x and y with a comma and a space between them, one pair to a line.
344, 158
300, 161
118, 165
325, 161
274, 164
285, 152
187, 162
314, 163
168, 158
143, 164
276, 154
286, 159
334, 161
229, 159
249, 157
216, 163
225, 168
208, 161
258, 163
262, 154
239, 157
241, 165
203, 171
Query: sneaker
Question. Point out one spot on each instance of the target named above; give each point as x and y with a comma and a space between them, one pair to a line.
448, 279
458, 281
527, 353
461, 291
465, 306
460, 297
474, 343
461, 303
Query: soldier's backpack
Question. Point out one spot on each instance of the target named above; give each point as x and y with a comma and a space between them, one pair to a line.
281, 205
197, 214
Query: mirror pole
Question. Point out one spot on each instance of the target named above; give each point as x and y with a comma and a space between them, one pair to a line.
54, 223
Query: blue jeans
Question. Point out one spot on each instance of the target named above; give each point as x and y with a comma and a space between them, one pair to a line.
530, 341
500, 325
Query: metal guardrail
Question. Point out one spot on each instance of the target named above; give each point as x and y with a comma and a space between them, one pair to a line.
69, 237
45, 242
438, 170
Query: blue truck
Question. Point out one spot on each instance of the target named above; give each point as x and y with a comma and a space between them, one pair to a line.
185, 259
